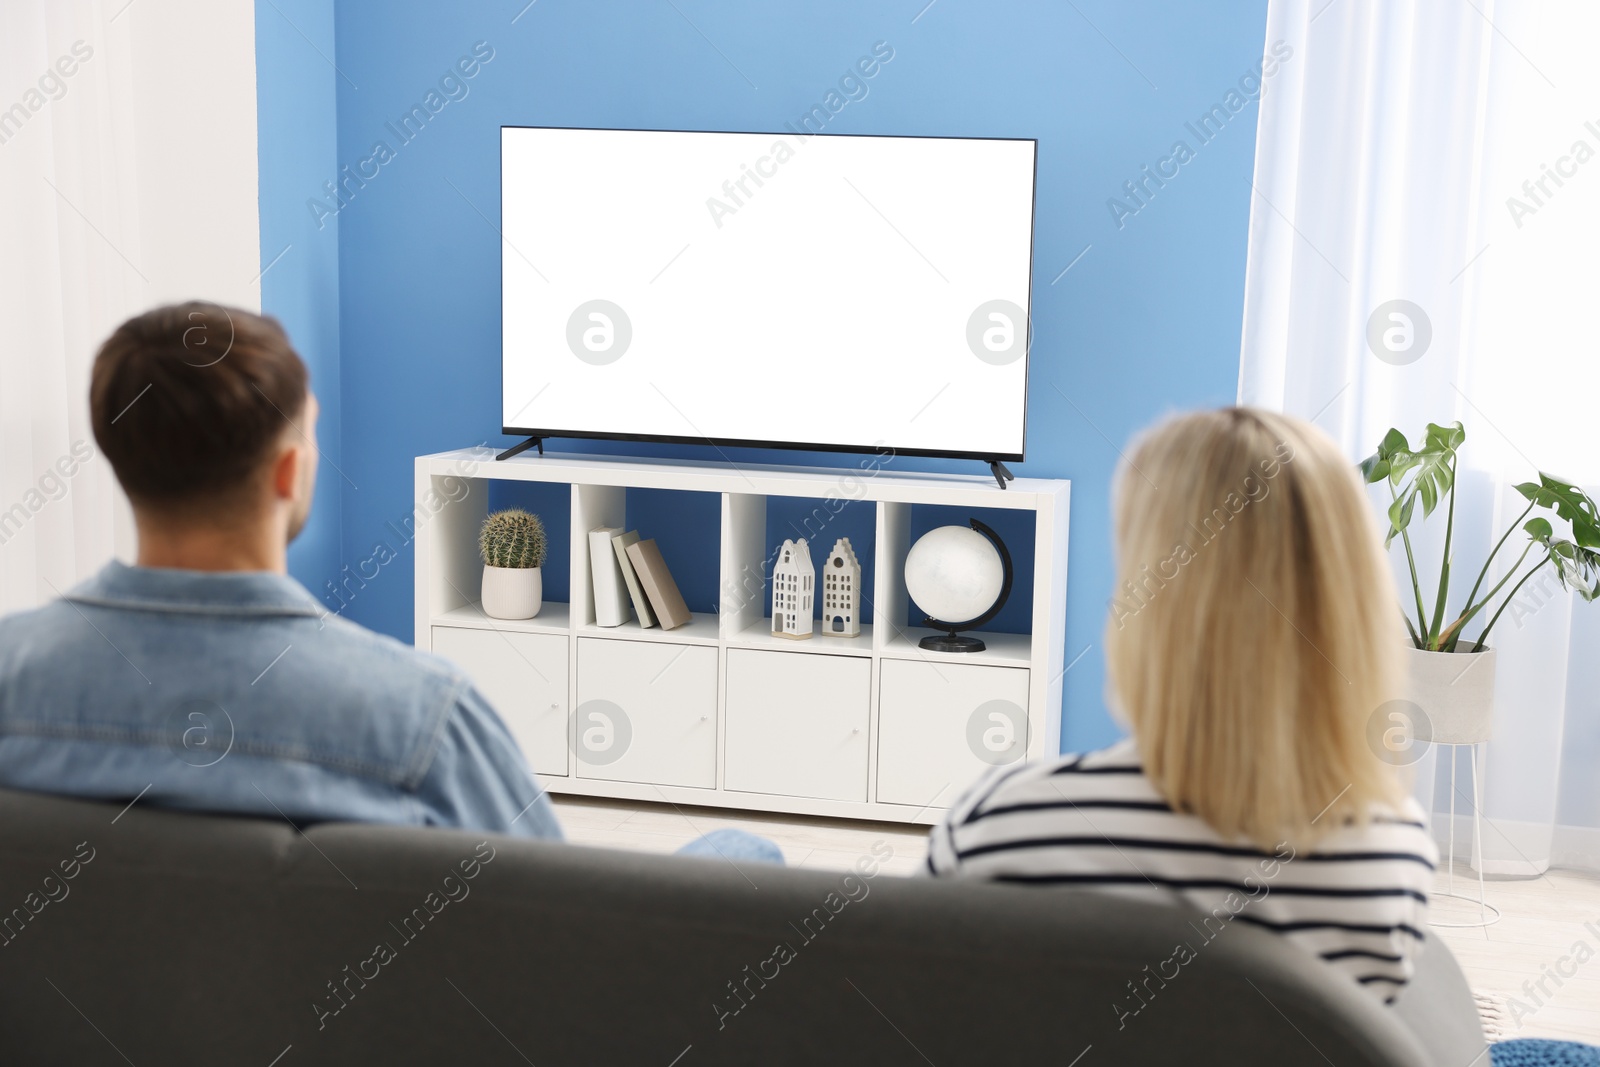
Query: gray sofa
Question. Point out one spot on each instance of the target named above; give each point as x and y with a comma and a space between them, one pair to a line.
151, 937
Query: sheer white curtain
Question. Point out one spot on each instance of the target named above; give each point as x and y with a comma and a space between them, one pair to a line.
128, 179
1444, 155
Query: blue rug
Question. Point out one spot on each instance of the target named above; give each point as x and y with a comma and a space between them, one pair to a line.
1536, 1052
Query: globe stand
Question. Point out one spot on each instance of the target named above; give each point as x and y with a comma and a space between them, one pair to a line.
951, 640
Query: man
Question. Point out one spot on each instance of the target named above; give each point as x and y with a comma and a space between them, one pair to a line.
204, 677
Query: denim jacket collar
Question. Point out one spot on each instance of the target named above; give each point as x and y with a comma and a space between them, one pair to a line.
259, 593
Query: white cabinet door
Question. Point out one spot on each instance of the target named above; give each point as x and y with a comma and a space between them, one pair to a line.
797, 724
525, 677
647, 712
941, 725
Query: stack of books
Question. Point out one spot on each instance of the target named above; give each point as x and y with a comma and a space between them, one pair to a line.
632, 580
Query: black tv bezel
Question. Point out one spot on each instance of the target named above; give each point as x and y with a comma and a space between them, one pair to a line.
793, 446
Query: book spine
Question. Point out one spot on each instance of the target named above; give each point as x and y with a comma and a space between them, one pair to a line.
610, 598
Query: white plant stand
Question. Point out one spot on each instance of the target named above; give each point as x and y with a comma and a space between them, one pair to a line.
719, 712
1488, 914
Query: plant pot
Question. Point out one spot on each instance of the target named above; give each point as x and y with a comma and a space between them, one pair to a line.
1455, 690
512, 592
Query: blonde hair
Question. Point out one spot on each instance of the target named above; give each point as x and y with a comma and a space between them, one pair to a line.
1254, 631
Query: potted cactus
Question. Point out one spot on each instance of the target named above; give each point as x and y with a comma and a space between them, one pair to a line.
1451, 674
513, 546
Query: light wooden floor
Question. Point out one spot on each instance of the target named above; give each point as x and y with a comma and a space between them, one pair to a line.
1543, 921
1544, 918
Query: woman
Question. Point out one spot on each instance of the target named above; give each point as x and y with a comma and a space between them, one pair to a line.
1253, 639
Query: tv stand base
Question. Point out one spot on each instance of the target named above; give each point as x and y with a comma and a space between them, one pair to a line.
516, 450
998, 469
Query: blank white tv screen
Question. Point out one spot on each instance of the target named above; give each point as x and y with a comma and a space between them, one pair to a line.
846, 293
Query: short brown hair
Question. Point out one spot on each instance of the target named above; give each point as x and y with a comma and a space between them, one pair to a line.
187, 400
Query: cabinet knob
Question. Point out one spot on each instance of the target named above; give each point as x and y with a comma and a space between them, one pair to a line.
704, 718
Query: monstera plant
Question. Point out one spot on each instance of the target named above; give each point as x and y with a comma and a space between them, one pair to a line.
1427, 474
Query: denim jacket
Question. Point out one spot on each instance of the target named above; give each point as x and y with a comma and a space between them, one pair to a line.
237, 693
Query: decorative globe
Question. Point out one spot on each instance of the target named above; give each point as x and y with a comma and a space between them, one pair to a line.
954, 573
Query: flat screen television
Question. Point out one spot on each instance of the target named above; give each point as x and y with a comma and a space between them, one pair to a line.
834, 292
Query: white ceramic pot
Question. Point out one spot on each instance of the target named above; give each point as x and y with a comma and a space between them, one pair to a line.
512, 592
1455, 690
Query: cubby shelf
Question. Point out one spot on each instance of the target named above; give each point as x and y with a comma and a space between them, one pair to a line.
700, 629
1004, 650
552, 618
719, 711
759, 635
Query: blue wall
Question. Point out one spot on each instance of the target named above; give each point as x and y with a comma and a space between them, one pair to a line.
295, 114
1147, 321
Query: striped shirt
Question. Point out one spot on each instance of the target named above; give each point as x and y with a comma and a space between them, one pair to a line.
1358, 899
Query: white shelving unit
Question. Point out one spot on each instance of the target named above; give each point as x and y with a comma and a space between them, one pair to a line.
719, 712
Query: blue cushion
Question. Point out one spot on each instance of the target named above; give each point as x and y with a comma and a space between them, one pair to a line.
1536, 1052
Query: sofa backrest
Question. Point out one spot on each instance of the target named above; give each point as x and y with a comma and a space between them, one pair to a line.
150, 936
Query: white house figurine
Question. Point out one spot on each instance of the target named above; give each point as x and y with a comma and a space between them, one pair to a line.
793, 591
841, 592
